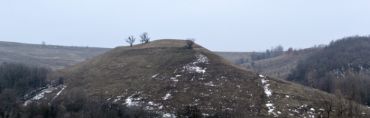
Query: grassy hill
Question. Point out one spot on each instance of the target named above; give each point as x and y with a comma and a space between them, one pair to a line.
168, 79
59, 57
51, 56
278, 67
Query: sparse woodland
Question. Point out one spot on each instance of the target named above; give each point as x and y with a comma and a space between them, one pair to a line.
16, 80
343, 68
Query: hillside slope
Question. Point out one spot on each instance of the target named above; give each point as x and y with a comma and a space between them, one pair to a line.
164, 77
277, 67
343, 67
282, 66
55, 57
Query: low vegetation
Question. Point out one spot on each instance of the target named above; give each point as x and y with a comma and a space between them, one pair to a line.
341, 67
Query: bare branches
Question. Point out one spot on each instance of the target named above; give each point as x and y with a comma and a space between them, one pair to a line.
144, 38
131, 40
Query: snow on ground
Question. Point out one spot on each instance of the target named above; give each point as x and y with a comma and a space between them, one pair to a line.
43, 92
130, 101
201, 59
268, 92
266, 86
210, 84
59, 92
152, 106
194, 67
174, 79
118, 98
167, 96
261, 76
271, 108
168, 115
154, 76
40, 95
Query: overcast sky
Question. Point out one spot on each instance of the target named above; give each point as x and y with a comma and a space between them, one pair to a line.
220, 25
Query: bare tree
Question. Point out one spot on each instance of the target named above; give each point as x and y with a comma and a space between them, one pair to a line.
189, 43
131, 40
145, 38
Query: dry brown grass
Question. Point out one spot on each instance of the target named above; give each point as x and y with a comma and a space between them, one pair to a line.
126, 71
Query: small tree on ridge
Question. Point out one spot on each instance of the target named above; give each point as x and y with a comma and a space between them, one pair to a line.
131, 40
189, 43
145, 38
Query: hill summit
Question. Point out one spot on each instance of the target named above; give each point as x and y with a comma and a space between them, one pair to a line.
167, 78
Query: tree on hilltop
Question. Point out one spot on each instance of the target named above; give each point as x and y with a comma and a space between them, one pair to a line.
131, 40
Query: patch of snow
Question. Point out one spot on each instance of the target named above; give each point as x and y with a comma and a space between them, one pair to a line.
264, 81
174, 79
178, 75
266, 88
154, 76
296, 111
130, 101
210, 84
269, 105
196, 69
43, 92
27, 102
287, 96
152, 106
262, 76
271, 108
168, 115
61, 90
151, 103
193, 67
167, 96
40, 95
201, 59
205, 115
303, 106
118, 98
268, 92
312, 109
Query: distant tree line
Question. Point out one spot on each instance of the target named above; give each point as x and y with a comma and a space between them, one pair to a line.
21, 78
341, 67
16, 80
273, 52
